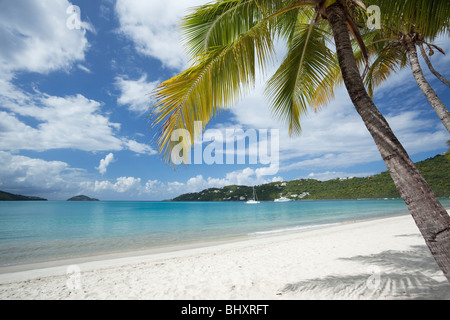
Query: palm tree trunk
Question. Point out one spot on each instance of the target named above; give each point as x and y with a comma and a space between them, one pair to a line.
423, 84
430, 216
430, 66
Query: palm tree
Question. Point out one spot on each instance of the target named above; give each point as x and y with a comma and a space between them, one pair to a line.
406, 24
229, 39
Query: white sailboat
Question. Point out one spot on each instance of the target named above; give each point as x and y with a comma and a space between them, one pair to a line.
255, 199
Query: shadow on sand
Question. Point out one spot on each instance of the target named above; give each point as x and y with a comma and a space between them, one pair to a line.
390, 274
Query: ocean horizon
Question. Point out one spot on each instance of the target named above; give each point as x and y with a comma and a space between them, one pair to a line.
40, 231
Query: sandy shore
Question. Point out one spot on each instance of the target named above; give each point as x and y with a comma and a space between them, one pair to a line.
377, 259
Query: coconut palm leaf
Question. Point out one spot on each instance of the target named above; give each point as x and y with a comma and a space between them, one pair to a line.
227, 42
224, 21
324, 92
426, 17
392, 59
291, 89
218, 24
428, 62
217, 79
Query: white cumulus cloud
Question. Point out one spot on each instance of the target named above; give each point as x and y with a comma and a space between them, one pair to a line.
70, 122
121, 185
135, 93
104, 163
37, 177
35, 36
153, 27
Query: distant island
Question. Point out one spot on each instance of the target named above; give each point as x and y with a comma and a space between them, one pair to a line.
435, 170
82, 198
6, 196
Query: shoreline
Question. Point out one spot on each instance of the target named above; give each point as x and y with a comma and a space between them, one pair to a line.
329, 262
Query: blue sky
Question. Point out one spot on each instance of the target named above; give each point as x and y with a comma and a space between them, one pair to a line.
73, 108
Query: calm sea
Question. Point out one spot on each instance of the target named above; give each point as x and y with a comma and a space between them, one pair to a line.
43, 231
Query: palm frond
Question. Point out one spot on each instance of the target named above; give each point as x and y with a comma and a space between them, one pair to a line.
390, 60
360, 4
224, 21
218, 24
217, 80
291, 89
426, 17
324, 92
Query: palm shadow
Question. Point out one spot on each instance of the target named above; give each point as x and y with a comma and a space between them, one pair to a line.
390, 274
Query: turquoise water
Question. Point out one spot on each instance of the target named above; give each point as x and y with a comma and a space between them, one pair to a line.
42, 231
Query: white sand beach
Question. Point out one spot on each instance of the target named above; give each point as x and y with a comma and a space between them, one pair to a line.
378, 259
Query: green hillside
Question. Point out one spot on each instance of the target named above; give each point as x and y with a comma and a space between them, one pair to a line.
6, 196
435, 170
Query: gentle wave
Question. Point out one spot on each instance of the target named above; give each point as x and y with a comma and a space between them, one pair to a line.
291, 229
